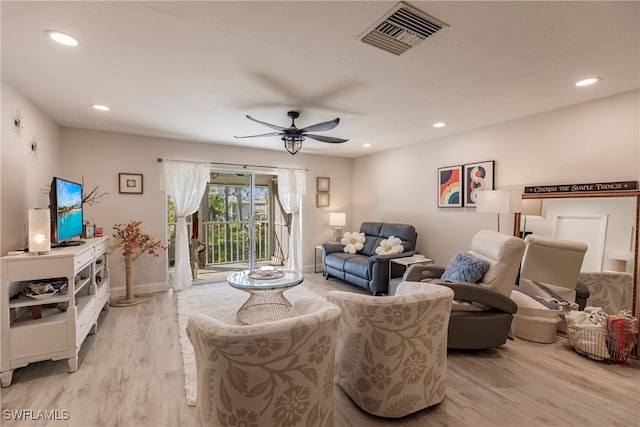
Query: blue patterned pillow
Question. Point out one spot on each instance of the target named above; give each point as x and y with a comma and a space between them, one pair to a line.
465, 268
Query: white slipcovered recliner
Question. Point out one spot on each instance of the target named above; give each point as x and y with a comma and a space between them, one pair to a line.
278, 373
547, 286
392, 351
552, 262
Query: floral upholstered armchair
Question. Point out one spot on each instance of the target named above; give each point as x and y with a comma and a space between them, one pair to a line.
278, 373
392, 351
610, 290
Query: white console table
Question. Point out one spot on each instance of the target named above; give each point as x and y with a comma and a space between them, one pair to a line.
55, 334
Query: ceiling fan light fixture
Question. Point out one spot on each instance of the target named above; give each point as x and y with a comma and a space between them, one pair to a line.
293, 137
292, 144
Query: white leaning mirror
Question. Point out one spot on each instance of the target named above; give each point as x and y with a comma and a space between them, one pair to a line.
613, 220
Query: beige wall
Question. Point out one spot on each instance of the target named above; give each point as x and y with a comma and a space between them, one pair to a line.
100, 156
597, 141
592, 142
25, 173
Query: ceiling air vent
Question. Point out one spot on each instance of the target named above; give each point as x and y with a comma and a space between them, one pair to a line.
401, 29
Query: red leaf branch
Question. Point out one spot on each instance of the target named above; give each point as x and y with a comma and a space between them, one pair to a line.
135, 242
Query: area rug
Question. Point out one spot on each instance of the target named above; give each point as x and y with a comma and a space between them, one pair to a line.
219, 301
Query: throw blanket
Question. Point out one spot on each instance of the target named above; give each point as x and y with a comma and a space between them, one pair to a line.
586, 334
551, 305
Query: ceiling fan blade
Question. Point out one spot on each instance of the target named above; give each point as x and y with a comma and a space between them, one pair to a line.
276, 127
325, 138
322, 126
263, 134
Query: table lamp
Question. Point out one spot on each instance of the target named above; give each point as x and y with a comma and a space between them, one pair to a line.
499, 201
337, 220
39, 231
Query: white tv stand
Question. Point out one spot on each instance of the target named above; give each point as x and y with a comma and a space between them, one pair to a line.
57, 334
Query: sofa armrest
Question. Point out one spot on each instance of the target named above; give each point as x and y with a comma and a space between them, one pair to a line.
386, 258
418, 272
471, 292
328, 248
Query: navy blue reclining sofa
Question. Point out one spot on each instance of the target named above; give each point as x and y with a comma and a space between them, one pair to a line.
365, 268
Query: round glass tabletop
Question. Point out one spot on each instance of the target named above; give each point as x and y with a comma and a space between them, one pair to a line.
265, 279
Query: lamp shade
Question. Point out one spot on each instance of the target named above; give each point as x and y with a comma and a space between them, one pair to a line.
39, 230
532, 207
337, 219
499, 201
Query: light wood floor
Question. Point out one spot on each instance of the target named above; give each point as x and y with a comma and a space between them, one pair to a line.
130, 374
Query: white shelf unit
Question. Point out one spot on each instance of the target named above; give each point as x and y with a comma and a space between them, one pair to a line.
56, 334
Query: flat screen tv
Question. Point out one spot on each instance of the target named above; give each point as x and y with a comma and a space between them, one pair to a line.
66, 212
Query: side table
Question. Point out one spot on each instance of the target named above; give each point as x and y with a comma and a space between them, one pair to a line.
406, 262
318, 253
317, 249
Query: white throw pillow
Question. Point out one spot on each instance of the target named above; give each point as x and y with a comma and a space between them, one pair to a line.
391, 245
353, 241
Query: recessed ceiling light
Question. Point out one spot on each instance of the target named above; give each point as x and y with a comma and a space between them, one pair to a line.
587, 82
439, 125
100, 107
366, 145
62, 38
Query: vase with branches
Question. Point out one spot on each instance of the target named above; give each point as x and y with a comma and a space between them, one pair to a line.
134, 242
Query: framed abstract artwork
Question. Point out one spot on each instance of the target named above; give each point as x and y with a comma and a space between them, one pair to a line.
450, 187
477, 177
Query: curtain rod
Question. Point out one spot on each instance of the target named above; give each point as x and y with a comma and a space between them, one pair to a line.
242, 165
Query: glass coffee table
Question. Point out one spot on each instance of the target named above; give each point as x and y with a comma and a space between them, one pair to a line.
265, 287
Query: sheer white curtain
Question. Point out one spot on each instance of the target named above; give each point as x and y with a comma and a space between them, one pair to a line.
291, 188
185, 183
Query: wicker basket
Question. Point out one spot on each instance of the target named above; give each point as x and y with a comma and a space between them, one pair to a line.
602, 342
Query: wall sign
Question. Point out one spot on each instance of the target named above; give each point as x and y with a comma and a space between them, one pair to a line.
581, 188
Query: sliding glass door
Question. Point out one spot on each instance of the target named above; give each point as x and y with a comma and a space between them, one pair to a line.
228, 221
239, 225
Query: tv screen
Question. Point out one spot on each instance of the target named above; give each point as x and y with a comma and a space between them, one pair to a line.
66, 210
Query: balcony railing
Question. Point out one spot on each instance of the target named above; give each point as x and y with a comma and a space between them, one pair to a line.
227, 242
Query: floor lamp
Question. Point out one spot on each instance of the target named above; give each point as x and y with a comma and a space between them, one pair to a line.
499, 201
531, 208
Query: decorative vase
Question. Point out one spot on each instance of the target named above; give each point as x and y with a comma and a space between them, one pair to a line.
134, 242
129, 298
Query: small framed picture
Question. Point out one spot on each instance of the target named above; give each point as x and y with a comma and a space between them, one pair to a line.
89, 231
130, 183
323, 184
322, 200
477, 177
450, 187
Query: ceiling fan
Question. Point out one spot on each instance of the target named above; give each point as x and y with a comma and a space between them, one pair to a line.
293, 137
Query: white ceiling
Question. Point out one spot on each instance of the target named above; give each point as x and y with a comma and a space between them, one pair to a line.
193, 70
